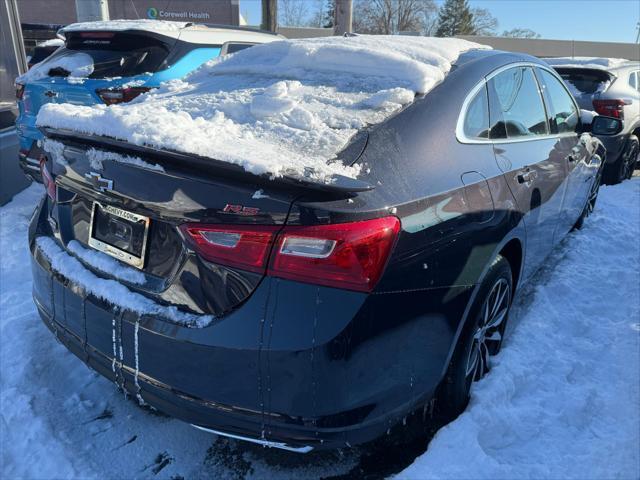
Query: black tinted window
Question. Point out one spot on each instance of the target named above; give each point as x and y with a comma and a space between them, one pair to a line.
476, 121
515, 106
236, 47
585, 81
563, 114
123, 55
40, 53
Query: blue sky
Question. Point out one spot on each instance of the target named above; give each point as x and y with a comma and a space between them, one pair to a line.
597, 20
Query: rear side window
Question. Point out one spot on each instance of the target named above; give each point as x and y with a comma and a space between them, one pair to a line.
121, 55
476, 121
515, 106
563, 114
236, 47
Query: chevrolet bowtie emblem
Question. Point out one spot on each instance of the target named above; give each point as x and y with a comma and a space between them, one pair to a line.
98, 182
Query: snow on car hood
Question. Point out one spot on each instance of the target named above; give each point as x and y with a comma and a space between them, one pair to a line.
286, 107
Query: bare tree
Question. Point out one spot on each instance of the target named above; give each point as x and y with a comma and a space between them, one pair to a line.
520, 33
292, 13
483, 22
317, 16
393, 16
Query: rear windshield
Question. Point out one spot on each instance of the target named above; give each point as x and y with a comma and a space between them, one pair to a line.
122, 55
582, 82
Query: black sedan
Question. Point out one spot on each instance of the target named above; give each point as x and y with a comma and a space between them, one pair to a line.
333, 310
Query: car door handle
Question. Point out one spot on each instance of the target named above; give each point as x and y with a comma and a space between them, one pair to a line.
526, 176
50, 93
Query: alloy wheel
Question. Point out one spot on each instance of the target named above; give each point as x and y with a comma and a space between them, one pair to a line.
488, 334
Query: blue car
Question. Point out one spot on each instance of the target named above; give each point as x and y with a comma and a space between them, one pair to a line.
114, 62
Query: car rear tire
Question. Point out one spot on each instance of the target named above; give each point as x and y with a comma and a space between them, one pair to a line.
634, 158
626, 163
591, 202
481, 338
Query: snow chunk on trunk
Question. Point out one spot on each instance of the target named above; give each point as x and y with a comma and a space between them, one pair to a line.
286, 107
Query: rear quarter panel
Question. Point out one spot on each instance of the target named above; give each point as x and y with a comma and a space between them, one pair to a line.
401, 340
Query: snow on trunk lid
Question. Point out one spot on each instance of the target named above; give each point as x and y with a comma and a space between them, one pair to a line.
283, 108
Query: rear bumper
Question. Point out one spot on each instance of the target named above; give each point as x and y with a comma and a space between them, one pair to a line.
328, 370
207, 415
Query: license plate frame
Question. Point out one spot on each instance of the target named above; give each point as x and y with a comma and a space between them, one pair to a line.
111, 250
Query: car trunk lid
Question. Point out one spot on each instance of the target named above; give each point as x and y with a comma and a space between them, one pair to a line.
133, 203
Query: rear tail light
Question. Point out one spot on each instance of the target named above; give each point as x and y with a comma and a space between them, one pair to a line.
19, 91
244, 247
47, 179
350, 256
347, 255
111, 96
610, 108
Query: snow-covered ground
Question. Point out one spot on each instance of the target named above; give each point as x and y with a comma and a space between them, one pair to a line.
562, 400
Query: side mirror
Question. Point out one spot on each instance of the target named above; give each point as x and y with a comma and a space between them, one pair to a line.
602, 125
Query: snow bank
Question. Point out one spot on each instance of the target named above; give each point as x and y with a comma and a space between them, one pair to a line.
286, 107
111, 290
599, 63
121, 25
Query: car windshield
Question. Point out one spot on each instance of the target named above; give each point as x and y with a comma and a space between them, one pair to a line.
107, 57
585, 81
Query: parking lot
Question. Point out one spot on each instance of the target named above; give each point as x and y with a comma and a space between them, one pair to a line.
560, 401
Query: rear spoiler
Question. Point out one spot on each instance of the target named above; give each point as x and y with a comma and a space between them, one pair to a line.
336, 184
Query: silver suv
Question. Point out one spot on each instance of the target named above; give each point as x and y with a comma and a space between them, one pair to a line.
610, 87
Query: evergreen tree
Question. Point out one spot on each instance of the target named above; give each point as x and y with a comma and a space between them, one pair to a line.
330, 15
455, 18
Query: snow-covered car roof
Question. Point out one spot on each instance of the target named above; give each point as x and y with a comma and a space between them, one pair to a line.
288, 107
598, 63
185, 31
